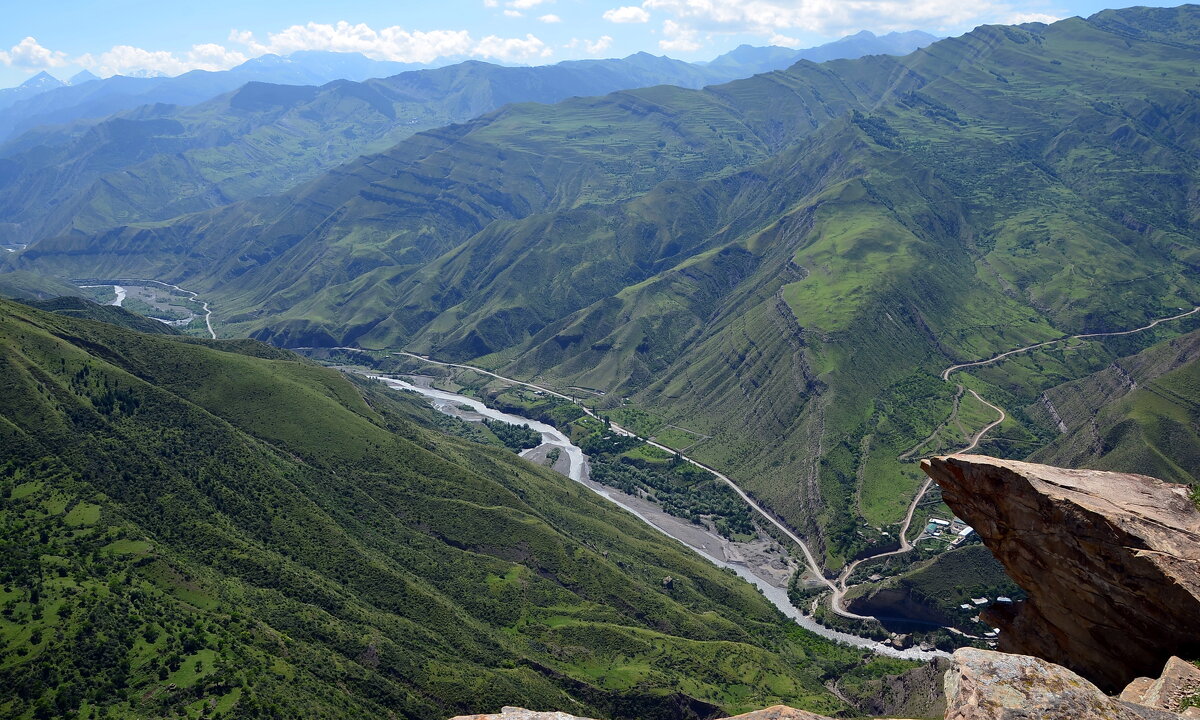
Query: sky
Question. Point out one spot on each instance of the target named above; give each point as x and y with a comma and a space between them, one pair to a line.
136, 37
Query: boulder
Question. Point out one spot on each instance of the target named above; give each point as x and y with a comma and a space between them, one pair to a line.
1179, 681
987, 685
1110, 562
775, 712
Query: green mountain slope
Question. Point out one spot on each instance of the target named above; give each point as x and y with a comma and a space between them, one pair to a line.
159, 161
218, 527
20, 285
78, 307
784, 263
382, 217
1140, 414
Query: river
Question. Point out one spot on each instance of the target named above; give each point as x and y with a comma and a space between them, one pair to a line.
448, 403
117, 289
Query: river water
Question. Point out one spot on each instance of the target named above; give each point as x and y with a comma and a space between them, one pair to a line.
447, 402
119, 290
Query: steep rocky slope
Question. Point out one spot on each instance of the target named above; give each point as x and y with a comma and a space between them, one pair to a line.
1110, 561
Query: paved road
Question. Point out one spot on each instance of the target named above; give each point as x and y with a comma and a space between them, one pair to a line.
776, 595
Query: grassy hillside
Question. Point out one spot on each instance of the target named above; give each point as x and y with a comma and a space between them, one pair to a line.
88, 310
217, 527
21, 285
1140, 414
783, 263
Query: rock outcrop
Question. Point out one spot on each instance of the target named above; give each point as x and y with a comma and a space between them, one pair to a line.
1179, 682
775, 712
986, 685
1110, 562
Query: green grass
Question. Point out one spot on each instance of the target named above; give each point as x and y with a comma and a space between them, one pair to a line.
82, 515
127, 547
676, 438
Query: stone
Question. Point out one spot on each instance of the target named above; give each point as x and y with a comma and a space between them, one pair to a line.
775, 712
1178, 681
988, 685
517, 713
778, 712
1110, 562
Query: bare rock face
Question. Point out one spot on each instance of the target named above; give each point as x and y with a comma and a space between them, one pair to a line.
986, 685
778, 712
517, 713
1110, 561
1179, 681
775, 712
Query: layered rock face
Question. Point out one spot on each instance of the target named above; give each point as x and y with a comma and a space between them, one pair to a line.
1110, 562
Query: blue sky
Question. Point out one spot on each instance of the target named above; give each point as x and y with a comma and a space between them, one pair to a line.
139, 37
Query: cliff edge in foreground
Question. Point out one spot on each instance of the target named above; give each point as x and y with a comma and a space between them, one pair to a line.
1110, 562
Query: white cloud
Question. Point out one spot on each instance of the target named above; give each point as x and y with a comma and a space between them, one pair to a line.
679, 38
550, 18
394, 43
29, 55
526, 4
784, 41
831, 17
490, 3
1022, 18
627, 14
512, 13
601, 44
129, 60
512, 49
389, 43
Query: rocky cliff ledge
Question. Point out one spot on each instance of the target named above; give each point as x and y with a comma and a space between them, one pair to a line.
1110, 561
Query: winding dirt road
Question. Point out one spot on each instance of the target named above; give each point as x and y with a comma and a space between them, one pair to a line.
838, 587
905, 545
809, 558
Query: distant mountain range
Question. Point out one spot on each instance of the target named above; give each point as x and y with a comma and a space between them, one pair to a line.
41, 83
747, 60
63, 103
44, 100
159, 161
